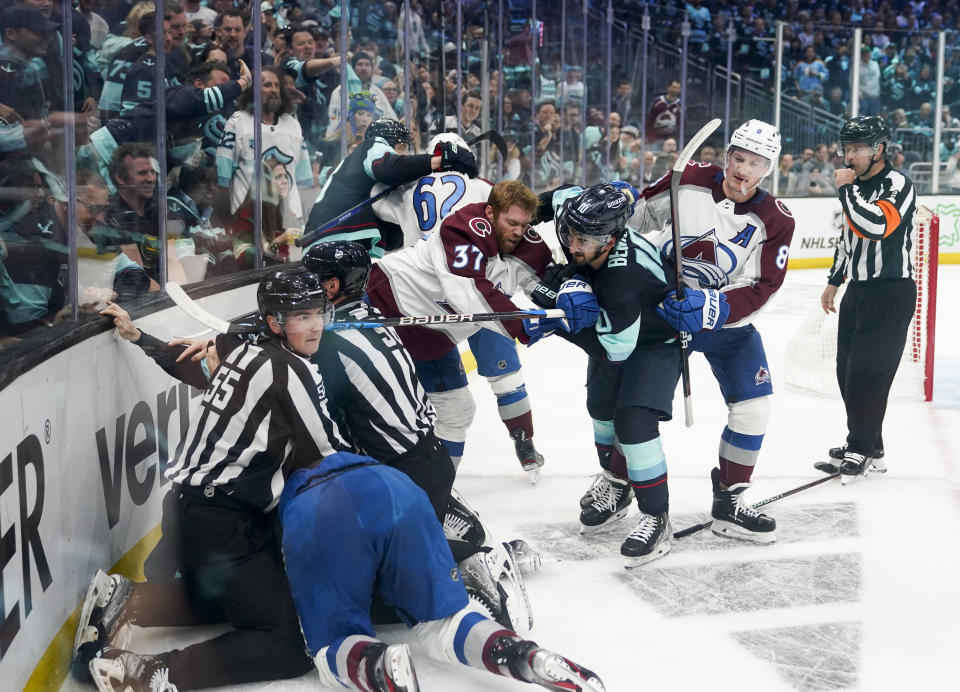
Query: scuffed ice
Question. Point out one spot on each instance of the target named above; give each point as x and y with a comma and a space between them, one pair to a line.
739, 587
814, 657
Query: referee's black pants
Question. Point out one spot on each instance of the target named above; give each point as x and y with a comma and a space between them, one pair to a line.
874, 319
230, 570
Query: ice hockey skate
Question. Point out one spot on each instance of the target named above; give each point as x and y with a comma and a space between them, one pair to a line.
611, 501
527, 559
876, 464
588, 497
101, 620
390, 668
461, 522
116, 670
494, 582
649, 541
528, 662
734, 518
854, 467
530, 459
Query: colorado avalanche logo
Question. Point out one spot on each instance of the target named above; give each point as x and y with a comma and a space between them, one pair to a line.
480, 226
705, 259
531, 236
783, 209
762, 376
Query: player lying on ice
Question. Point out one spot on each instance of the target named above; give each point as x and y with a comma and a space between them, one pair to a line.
339, 540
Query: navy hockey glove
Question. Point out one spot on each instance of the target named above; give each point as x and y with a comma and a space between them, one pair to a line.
545, 293
697, 311
629, 191
576, 298
539, 327
455, 158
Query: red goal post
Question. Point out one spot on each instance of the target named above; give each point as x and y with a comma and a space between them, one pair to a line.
810, 362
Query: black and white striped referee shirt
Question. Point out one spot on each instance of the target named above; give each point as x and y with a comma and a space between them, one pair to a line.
876, 239
370, 377
263, 415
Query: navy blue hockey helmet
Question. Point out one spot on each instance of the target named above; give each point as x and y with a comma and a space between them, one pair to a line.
285, 291
347, 261
394, 131
600, 211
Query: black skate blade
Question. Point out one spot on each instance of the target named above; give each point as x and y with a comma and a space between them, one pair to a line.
826, 467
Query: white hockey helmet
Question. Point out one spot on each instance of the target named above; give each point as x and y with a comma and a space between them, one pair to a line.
760, 138
447, 137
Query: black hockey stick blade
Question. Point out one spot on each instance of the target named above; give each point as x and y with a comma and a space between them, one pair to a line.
826, 467
495, 138
311, 236
786, 493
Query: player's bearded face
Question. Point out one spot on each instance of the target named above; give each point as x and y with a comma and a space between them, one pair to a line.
509, 227
583, 248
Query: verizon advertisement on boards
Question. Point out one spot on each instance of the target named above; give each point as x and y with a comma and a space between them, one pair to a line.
84, 442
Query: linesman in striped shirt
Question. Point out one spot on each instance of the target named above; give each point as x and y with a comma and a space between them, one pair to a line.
264, 414
874, 254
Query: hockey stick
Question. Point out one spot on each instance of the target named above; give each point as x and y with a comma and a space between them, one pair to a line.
189, 306
787, 493
682, 160
374, 322
495, 138
308, 238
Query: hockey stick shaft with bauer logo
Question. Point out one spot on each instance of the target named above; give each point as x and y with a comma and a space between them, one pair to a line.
682, 160
192, 308
786, 493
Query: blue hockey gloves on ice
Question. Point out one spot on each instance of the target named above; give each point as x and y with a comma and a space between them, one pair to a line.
697, 311
576, 299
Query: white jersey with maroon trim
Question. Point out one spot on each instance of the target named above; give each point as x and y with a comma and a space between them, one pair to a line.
459, 270
738, 249
421, 206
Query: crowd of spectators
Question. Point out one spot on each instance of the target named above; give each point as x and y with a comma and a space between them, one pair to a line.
556, 125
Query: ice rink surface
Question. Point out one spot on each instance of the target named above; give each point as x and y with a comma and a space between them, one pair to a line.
860, 591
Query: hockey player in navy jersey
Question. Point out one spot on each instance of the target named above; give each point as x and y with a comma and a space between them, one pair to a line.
381, 157
419, 209
616, 278
735, 242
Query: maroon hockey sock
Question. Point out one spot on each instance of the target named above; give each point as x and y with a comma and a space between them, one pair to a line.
732, 473
522, 422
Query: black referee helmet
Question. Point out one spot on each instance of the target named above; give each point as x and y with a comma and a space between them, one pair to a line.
867, 129
341, 259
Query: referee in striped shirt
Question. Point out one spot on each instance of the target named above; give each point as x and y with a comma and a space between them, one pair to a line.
370, 377
874, 254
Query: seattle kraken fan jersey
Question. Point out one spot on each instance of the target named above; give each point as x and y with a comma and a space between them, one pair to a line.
738, 249
282, 143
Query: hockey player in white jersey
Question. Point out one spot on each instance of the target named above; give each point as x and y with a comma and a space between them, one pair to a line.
419, 208
735, 240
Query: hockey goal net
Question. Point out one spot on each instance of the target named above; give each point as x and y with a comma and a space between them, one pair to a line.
811, 357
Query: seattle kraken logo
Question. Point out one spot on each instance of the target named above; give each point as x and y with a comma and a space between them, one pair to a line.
705, 259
